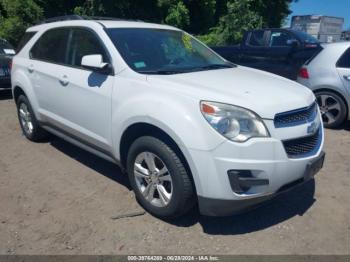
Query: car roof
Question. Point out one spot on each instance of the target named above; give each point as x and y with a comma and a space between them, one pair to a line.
104, 23
344, 44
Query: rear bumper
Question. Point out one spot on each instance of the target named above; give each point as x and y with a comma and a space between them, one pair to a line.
5, 82
225, 207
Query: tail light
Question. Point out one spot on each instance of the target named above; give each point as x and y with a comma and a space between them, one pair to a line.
303, 73
10, 65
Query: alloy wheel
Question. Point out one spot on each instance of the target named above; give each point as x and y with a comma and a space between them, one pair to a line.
153, 179
330, 108
26, 119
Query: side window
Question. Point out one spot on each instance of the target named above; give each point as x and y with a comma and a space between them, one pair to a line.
279, 39
84, 42
257, 38
51, 46
344, 60
24, 40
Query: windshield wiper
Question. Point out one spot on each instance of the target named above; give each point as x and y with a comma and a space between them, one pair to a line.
161, 72
187, 70
212, 67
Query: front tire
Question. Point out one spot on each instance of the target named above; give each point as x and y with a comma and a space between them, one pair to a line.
160, 181
29, 124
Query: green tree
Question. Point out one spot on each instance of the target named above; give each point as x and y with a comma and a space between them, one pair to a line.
239, 18
217, 21
16, 16
125, 9
178, 15
272, 12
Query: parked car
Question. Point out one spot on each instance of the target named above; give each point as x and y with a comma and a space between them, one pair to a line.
328, 75
6, 54
187, 125
279, 51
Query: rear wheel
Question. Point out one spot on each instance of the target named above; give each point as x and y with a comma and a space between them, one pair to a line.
30, 126
159, 179
332, 107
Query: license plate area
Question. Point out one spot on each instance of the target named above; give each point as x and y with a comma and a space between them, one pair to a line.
314, 167
4, 71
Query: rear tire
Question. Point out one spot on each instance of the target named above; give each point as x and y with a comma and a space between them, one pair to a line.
29, 124
333, 108
160, 181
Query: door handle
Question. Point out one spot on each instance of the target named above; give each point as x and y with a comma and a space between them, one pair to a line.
31, 68
64, 80
347, 77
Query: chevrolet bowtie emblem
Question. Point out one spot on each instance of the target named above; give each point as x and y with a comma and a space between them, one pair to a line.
312, 129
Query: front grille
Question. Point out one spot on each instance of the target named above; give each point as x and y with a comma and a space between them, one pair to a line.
296, 117
304, 146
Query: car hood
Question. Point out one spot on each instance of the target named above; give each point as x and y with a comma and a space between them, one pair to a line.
262, 92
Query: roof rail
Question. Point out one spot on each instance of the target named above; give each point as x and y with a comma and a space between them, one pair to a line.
110, 18
62, 18
79, 17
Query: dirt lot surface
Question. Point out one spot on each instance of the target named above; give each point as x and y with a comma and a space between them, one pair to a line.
58, 199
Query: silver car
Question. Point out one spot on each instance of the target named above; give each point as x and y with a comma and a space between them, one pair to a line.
328, 75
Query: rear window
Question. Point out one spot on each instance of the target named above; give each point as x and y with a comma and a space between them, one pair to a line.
314, 56
344, 60
306, 38
6, 48
25, 39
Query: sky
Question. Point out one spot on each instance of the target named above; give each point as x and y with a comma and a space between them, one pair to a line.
339, 8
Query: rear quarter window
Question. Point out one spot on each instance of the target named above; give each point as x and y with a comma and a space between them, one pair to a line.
24, 40
344, 60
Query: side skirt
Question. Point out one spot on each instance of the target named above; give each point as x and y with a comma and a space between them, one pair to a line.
81, 144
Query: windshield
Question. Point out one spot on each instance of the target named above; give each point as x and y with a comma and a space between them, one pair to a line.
159, 51
306, 38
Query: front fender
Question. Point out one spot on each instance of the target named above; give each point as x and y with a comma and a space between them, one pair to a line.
180, 118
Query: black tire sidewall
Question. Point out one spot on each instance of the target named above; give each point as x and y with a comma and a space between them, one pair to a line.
164, 152
343, 108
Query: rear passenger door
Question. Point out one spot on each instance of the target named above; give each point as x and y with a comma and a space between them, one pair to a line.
47, 60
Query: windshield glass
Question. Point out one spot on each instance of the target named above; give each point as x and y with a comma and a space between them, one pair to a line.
159, 51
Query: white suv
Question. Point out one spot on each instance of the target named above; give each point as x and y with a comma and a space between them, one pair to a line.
188, 126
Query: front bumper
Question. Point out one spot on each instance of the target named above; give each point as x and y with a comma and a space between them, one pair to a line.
220, 207
266, 159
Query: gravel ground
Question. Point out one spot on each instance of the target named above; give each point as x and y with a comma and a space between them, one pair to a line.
58, 199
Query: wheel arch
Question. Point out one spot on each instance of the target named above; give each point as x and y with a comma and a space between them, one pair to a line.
136, 130
17, 91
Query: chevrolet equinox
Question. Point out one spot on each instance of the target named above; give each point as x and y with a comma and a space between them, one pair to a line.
189, 127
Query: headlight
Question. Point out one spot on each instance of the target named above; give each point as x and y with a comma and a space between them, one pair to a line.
235, 123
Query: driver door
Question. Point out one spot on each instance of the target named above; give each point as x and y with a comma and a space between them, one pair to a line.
87, 93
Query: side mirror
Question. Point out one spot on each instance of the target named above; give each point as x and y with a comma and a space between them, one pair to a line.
95, 62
